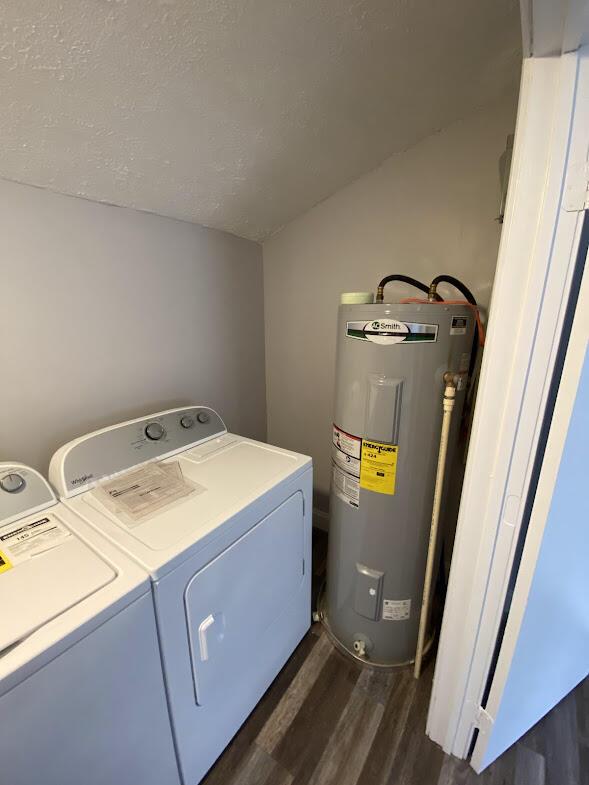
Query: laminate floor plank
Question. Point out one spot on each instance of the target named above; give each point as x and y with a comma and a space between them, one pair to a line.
504, 773
278, 723
300, 750
561, 749
582, 706
387, 740
555, 737
377, 683
583, 764
261, 768
420, 759
582, 700
530, 767
456, 772
349, 745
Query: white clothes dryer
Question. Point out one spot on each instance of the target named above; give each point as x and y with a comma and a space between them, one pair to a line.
222, 524
82, 695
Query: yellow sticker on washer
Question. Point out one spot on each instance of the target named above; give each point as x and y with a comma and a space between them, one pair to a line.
378, 467
5, 563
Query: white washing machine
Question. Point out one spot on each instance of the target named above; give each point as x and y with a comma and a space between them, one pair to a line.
223, 525
82, 697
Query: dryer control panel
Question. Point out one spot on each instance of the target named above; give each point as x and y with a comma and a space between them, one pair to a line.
80, 464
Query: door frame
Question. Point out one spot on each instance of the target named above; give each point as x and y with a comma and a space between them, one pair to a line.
537, 255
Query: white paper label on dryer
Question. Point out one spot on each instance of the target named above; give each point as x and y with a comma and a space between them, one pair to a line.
20, 541
346, 486
140, 493
396, 610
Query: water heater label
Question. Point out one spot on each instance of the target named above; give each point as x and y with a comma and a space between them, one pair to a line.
391, 331
378, 467
346, 487
459, 325
346, 451
396, 610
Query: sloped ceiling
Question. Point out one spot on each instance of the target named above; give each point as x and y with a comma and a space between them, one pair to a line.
237, 114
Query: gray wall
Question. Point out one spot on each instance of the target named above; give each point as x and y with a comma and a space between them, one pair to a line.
109, 313
429, 210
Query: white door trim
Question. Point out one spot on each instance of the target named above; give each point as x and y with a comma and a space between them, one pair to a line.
550, 27
532, 284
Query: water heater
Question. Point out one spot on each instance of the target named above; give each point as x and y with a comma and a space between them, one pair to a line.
391, 364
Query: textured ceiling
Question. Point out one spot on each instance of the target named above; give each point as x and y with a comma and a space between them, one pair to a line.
237, 114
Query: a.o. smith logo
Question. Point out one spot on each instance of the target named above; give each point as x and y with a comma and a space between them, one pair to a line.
391, 331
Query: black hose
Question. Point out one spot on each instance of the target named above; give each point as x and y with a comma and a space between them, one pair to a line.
403, 279
456, 283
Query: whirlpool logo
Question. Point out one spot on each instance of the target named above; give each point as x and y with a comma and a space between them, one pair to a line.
80, 480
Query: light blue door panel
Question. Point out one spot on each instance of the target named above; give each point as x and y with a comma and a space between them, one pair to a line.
552, 651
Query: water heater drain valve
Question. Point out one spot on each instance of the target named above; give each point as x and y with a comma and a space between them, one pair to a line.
360, 647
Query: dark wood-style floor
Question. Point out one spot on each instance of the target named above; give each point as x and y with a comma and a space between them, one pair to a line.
327, 721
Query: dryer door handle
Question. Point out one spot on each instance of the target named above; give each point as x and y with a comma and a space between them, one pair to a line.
202, 636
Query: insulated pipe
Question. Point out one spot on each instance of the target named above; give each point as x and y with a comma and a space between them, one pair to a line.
448, 405
403, 279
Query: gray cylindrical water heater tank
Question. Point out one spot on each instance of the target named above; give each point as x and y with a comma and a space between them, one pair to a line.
391, 360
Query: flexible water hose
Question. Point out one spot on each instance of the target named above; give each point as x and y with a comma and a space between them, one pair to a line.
463, 288
448, 406
403, 279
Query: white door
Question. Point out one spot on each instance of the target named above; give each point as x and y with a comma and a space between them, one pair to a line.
535, 275
545, 648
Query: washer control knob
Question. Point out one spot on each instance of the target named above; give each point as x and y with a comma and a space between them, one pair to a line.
154, 431
12, 483
187, 421
203, 417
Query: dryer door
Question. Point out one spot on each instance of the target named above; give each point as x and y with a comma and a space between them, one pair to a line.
239, 612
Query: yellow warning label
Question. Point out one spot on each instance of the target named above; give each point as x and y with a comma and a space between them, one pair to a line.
378, 468
5, 563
